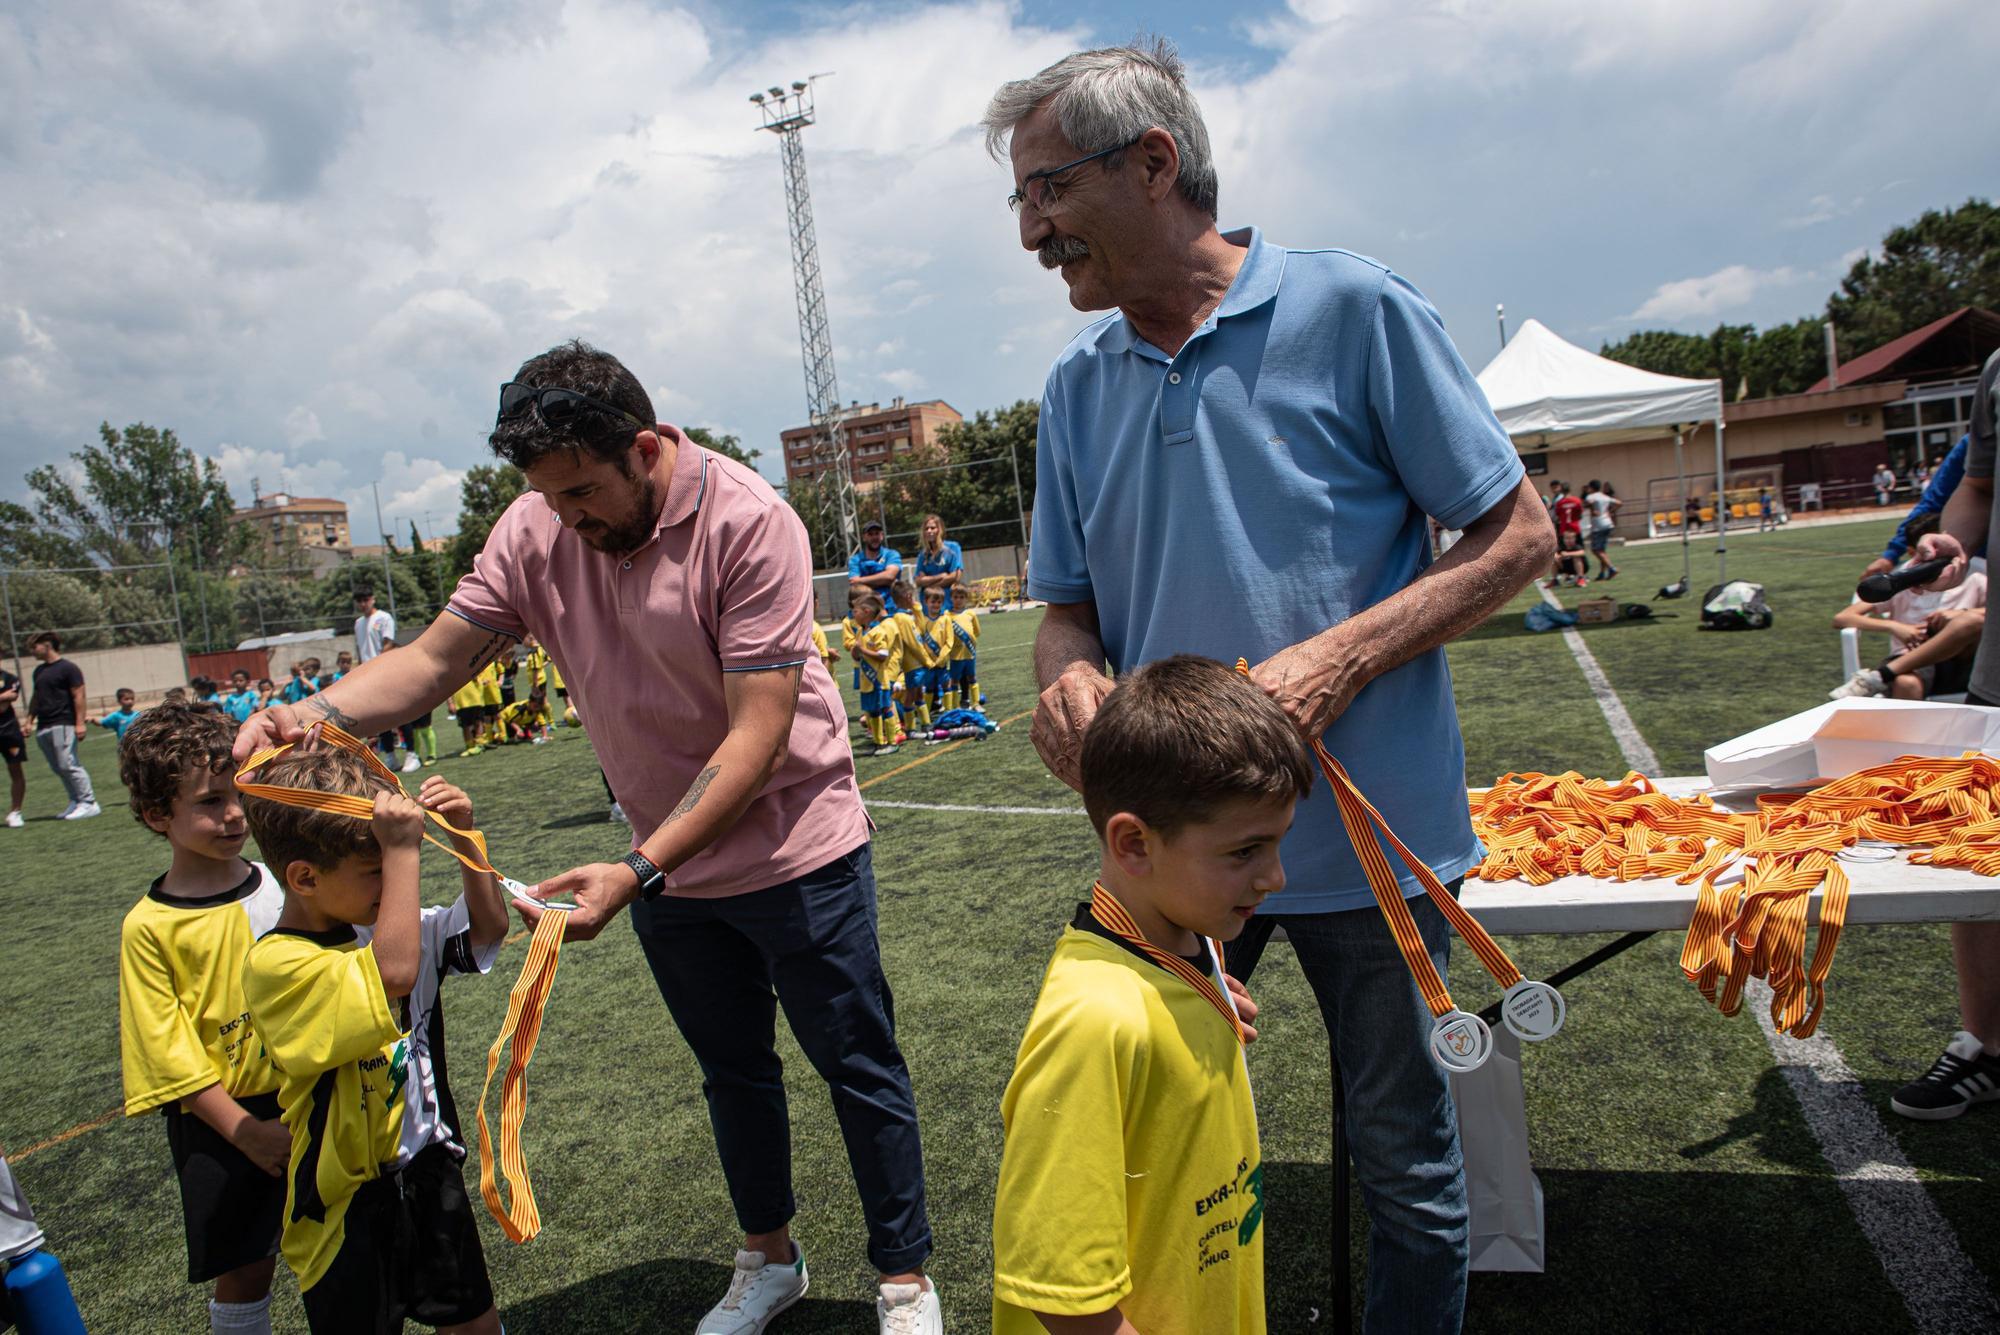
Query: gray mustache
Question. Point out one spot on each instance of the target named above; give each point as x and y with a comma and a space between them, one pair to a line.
1060, 250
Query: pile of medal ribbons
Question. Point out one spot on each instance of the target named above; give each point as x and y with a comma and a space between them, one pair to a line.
1538, 827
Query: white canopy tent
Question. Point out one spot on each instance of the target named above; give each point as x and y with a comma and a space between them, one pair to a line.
1550, 394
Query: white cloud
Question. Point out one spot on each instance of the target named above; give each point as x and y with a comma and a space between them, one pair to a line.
302, 427
1711, 294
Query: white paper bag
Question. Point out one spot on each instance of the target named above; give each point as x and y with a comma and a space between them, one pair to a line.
1500, 1183
1835, 740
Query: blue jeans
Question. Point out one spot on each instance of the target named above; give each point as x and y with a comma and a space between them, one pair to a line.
1402, 1131
724, 967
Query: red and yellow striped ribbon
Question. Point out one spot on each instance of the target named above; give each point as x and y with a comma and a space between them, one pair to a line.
1114, 918
519, 1219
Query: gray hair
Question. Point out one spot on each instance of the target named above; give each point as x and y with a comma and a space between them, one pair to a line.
1112, 96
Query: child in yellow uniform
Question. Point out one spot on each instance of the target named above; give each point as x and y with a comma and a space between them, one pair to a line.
878, 662
828, 655
939, 633
965, 657
188, 1047
344, 992
491, 697
525, 720
466, 708
852, 627
1131, 1182
911, 706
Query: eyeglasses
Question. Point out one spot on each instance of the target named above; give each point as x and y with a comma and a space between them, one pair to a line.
557, 407
1041, 189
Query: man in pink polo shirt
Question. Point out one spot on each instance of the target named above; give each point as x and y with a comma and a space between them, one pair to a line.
674, 590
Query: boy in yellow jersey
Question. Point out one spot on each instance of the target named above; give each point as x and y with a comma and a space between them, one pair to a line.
491, 697
852, 628
911, 705
525, 720
188, 1047
878, 660
939, 634
466, 708
344, 993
965, 653
828, 655
1131, 1184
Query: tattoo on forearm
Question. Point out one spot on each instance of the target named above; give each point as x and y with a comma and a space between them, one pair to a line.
329, 711
489, 651
694, 792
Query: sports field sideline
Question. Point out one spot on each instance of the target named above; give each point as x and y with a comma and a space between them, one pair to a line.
1685, 1189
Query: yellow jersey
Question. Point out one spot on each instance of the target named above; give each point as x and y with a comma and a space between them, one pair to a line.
1131, 1174
466, 696
537, 662
936, 637
881, 674
183, 1023
914, 654
360, 1089
490, 678
525, 714
967, 624
850, 632
820, 646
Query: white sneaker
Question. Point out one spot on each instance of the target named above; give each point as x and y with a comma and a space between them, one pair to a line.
69, 811
618, 817
410, 762
84, 812
1862, 684
909, 1309
757, 1292
14, 821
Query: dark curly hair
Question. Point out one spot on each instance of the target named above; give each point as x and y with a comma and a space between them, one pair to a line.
525, 440
287, 834
164, 746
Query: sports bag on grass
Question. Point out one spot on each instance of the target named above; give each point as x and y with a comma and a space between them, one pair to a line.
1737, 605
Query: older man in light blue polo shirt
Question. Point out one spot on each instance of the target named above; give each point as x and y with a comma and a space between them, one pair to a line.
1303, 412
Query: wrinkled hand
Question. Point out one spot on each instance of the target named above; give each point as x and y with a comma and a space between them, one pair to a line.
266, 1144
1062, 714
1246, 1009
600, 890
1309, 683
399, 822
446, 798
268, 728
1943, 547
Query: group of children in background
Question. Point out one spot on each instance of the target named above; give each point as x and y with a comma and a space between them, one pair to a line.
915, 659
489, 715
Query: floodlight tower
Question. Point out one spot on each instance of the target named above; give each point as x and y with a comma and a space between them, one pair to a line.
785, 114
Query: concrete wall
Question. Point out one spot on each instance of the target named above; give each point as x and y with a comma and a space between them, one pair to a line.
148, 669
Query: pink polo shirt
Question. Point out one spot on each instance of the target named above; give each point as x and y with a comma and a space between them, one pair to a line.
643, 641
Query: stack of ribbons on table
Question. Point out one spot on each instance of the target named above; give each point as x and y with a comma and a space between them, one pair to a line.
520, 1220
1538, 827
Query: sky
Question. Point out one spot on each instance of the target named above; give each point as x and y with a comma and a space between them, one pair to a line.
314, 239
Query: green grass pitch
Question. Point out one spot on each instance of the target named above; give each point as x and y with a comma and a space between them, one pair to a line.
1684, 1189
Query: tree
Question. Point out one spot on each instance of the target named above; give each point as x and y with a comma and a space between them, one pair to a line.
728, 446
1664, 351
1749, 363
40, 601
1786, 358
484, 495
137, 488
1927, 270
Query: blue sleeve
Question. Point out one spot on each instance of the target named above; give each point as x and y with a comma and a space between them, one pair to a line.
1950, 472
891, 557
952, 559
1431, 419
1057, 572
854, 566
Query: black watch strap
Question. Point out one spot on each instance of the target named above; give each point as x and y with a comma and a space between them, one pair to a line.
651, 879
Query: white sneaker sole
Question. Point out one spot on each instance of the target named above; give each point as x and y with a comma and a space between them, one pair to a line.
780, 1309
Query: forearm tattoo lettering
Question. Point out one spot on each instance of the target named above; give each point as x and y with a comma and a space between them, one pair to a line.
489, 651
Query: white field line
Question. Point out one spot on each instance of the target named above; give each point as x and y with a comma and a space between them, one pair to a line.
1919, 1253
1631, 743
984, 811
1940, 1285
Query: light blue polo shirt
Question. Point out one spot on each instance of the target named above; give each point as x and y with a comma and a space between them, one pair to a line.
1266, 483
859, 563
950, 558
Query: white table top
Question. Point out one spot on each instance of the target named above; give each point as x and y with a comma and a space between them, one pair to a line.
1881, 892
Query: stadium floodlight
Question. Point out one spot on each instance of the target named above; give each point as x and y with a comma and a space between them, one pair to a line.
758, 98
775, 91
798, 85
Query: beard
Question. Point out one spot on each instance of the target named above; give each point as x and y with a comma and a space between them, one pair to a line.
1060, 250
629, 533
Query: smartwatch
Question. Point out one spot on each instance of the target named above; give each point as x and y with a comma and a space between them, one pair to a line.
651, 879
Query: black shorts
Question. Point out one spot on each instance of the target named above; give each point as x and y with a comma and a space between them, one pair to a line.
409, 1251
507, 691
13, 746
472, 716
1947, 678
1600, 538
234, 1210
1975, 698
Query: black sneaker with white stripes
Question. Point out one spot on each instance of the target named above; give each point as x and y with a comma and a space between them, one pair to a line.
1963, 1076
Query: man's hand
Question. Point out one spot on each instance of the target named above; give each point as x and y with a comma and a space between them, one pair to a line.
1312, 682
600, 891
1881, 565
266, 1144
399, 822
268, 728
1061, 716
1246, 1009
1943, 547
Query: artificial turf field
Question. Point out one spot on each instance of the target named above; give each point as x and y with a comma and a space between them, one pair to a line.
1684, 1189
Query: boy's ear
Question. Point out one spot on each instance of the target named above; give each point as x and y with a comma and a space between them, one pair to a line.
301, 877
1130, 842
157, 821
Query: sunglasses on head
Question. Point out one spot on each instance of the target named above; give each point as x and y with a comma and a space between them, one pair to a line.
557, 407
